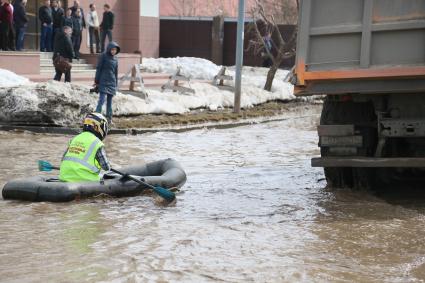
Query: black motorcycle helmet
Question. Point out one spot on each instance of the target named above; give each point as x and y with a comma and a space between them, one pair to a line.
97, 124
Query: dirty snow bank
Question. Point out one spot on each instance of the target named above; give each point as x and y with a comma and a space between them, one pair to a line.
66, 104
56, 103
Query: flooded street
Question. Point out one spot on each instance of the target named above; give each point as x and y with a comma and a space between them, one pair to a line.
252, 210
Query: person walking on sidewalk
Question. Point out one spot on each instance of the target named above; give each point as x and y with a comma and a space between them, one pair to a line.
45, 17
106, 26
64, 48
20, 20
93, 22
77, 31
57, 15
107, 78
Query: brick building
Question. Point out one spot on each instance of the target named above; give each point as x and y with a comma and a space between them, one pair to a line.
136, 30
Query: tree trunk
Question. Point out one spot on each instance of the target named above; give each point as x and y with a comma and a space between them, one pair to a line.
273, 69
270, 76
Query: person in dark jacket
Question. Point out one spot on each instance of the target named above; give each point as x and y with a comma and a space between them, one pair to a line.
268, 49
63, 47
106, 26
57, 15
107, 78
67, 20
45, 17
77, 31
6, 21
12, 35
74, 10
20, 20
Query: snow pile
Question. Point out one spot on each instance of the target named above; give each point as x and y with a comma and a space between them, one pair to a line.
194, 68
56, 103
208, 96
8, 79
66, 104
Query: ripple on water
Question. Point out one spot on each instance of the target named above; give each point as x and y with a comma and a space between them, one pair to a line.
252, 210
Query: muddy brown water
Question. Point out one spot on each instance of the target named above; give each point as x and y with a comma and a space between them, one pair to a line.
253, 210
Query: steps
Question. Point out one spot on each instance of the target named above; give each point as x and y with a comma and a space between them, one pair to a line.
151, 80
83, 73
78, 66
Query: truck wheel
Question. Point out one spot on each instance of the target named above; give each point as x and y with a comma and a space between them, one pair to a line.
339, 177
360, 114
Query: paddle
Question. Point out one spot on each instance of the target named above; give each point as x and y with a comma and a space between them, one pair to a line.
162, 192
46, 166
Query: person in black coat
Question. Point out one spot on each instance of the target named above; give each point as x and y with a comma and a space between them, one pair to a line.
20, 21
57, 15
106, 26
268, 50
77, 30
12, 32
6, 23
74, 10
64, 48
45, 17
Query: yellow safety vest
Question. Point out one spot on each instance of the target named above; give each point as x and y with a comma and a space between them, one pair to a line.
79, 163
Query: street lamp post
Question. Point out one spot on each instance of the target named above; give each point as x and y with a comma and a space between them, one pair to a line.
239, 55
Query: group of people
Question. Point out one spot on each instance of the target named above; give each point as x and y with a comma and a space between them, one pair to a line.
66, 47
61, 33
53, 18
13, 23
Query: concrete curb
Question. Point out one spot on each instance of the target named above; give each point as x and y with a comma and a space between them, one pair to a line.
74, 131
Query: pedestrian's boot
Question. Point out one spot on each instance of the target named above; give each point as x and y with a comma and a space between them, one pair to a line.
91, 50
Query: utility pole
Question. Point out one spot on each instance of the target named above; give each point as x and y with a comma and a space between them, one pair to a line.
239, 55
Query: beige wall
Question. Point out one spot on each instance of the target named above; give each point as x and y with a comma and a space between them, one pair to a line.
132, 31
149, 37
22, 63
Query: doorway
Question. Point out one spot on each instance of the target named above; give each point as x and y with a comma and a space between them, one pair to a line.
32, 36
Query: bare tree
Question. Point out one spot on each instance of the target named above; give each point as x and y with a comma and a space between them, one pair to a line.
264, 20
223, 7
184, 8
283, 11
189, 8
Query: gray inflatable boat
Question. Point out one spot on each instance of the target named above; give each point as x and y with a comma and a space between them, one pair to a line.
166, 173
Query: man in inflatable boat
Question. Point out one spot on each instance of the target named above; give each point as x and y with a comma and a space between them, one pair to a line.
86, 156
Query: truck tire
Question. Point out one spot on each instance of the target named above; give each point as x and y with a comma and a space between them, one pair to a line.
362, 115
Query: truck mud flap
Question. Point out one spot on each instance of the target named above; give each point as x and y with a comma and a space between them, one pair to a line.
367, 162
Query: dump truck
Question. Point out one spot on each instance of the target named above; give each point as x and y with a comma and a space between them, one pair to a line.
367, 57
